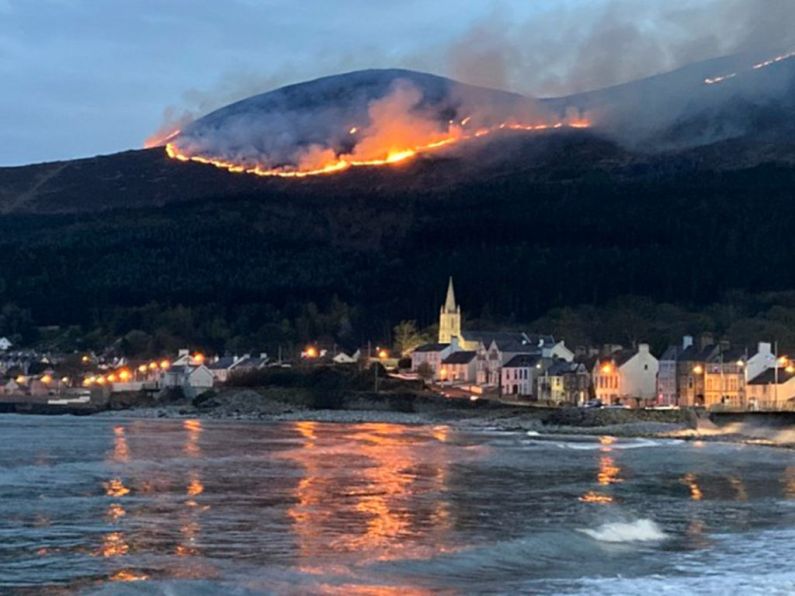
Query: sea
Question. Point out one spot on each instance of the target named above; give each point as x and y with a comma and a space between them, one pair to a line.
104, 505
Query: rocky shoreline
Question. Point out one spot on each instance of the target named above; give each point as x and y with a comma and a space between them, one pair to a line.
274, 405
289, 405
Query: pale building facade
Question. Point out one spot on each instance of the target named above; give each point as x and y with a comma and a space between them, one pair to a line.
519, 376
459, 367
626, 375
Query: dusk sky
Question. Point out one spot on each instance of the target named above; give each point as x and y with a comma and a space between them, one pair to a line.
83, 77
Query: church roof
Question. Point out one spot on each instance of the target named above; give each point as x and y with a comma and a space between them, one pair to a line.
432, 348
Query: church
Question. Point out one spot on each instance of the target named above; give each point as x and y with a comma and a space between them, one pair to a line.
490, 350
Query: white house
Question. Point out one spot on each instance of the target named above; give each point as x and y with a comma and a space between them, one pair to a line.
761, 361
193, 380
625, 375
558, 351
432, 354
520, 374
495, 350
5, 345
772, 390
459, 367
344, 358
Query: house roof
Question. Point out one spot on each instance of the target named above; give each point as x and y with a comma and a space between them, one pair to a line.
432, 348
460, 358
671, 353
694, 354
731, 355
502, 338
222, 363
561, 367
523, 361
252, 362
768, 377
619, 358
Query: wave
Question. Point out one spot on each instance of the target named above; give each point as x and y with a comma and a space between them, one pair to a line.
590, 443
641, 530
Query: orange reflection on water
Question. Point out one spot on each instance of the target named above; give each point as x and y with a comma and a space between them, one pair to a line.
113, 545
595, 497
116, 488
194, 430
608, 471
115, 512
691, 482
607, 474
121, 452
374, 501
195, 487
128, 575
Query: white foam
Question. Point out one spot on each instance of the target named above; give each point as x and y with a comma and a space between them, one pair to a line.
642, 530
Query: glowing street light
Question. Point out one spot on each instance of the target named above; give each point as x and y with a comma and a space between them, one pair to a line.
698, 369
165, 364
310, 352
383, 354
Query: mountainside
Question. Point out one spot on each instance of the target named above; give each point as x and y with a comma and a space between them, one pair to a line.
747, 95
162, 253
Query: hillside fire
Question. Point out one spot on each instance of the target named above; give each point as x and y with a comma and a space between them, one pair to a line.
388, 153
757, 66
365, 119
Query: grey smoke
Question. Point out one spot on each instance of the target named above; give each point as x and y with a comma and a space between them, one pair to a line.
571, 47
578, 46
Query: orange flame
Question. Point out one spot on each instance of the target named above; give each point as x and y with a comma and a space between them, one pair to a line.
396, 133
326, 162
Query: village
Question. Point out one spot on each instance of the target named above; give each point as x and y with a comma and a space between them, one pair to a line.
513, 367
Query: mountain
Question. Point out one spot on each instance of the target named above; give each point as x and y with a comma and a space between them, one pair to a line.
747, 95
164, 253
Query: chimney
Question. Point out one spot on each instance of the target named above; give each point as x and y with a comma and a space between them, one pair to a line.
764, 348
182, 353
643, 348
687, 341
704, 340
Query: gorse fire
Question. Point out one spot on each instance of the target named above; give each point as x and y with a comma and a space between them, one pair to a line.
380, 118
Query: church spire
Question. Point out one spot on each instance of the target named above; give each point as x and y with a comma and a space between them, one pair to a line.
449, 317
449, 304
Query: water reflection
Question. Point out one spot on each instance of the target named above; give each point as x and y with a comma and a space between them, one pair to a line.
607, 474
121, 451
387, 504
691, 482
116, 488
190, 523
113, 545
194, 429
